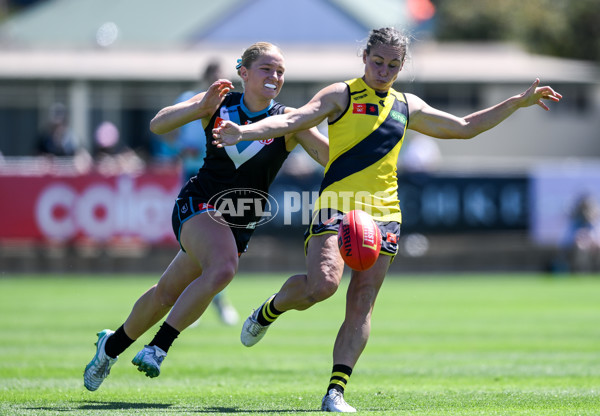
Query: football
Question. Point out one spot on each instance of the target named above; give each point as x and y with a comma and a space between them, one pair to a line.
359, 240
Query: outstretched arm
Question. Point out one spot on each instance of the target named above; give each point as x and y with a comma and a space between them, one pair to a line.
328, 102
200, 106
435, 123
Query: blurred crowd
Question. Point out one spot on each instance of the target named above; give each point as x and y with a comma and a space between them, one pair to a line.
109, 154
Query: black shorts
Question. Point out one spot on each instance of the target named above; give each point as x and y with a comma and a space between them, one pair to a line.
187, 206
328, 222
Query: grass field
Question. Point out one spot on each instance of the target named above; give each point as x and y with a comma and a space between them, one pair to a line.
440, 345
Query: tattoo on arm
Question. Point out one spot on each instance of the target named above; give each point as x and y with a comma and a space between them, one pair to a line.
314, 152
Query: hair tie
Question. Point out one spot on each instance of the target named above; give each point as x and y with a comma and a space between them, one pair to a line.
239, 64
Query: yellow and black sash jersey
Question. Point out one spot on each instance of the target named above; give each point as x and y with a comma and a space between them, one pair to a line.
364, 144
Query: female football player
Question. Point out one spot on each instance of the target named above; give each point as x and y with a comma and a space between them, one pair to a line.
211, 241
367, 122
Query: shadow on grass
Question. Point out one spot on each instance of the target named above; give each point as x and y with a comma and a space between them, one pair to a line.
237, 410
104, 406
162, 408
122, 406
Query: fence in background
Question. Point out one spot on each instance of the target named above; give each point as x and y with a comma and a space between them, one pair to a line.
56, 217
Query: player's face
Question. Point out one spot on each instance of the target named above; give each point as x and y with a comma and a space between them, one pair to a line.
265, 75
382, 66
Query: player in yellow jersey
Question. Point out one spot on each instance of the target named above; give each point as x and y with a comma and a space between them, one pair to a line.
367, 121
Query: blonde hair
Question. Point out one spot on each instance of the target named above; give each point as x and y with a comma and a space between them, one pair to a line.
253, 52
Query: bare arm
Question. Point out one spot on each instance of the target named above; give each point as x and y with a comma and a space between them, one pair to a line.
328, 102
436, 123
200, 106
315, 144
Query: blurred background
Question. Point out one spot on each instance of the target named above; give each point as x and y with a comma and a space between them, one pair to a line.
86, 187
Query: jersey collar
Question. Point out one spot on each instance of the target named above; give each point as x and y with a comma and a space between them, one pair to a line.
377, 93
250, 113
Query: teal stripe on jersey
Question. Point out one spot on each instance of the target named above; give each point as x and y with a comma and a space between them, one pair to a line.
235, 117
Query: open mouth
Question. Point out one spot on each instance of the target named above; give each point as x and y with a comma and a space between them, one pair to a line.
271, 86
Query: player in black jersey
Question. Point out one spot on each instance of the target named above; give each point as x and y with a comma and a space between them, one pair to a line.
215, 212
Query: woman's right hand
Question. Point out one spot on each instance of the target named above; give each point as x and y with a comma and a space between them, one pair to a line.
227, 133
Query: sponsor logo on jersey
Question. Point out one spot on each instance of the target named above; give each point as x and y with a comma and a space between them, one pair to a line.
266, 142
373, 109
398, 116
358, 108
330, 221
218, 122
184, 208
369, 109
203, 206
391, 238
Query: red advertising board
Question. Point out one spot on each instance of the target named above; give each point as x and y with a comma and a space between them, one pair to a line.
92, 206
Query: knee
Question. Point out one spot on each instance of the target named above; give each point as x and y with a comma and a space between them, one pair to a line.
221, 274
323, 290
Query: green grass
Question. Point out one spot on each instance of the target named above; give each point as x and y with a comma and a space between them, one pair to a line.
440, 345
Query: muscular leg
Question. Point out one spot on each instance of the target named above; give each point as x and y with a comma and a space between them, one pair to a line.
146, 312
324, 273
153, 305
360, 300
211, 245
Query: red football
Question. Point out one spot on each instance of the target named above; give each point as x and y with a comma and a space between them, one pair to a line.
359, 240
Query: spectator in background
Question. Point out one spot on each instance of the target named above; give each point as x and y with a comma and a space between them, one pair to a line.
582, 241
191, 140
187, 143
112, 156
190, 144
56, 138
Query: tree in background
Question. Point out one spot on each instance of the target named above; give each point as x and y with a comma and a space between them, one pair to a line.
566, 28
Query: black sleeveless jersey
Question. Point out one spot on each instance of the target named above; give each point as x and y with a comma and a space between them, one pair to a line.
250, 165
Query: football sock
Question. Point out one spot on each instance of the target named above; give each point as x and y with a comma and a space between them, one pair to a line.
117, 343
268, 313
164, 337
339, 377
